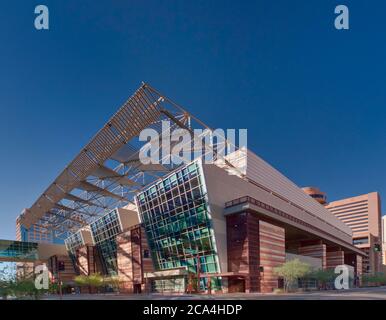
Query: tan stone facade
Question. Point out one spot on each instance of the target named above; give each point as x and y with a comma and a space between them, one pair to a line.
363, 215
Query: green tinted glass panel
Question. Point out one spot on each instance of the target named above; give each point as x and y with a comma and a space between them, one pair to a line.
177, 221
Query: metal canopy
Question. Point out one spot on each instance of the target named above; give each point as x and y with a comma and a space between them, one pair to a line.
103, 172
107, 172
74, 198
87, 186
125, 154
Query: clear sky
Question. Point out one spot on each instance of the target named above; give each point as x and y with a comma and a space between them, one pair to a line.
312, 98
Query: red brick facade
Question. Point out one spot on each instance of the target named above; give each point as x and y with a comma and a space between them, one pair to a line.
66, 275
272, 254
87, 260
254, 244
334, 258
316, 251
242, 238
133, 258
354, 260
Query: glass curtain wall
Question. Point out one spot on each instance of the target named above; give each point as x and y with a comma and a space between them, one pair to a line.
176, 217
18, 250
104, 232
73, 243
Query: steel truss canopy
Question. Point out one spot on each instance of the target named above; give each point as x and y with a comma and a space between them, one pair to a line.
107, 172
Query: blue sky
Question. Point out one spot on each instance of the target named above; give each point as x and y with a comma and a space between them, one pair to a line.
312, 98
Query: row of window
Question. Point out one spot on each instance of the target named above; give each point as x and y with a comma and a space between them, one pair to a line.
168, 211
163, 197
73, 242
107, 234
169, 182
104, 232
208, 264
363, 240
18, 249
177, 222
106, 227
108, 251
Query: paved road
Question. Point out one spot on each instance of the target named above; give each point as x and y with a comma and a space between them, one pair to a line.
378, 293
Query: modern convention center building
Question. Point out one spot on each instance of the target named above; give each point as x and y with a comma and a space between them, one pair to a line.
221, 226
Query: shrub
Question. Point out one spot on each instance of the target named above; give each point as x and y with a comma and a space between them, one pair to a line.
374, 279
81, 280
324, 277
112, 281
291, 271
94, 280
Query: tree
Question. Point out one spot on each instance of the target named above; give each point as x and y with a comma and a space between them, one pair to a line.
112, 281
6, 288
27, 288
374, 279
7, 280
94, 280
82, 281
323, 276
291, 271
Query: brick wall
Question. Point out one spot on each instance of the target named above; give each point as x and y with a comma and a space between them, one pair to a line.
67, 275
242, 238
87, 260
272, 254
131, 246
316, 251
253, 243
334, 258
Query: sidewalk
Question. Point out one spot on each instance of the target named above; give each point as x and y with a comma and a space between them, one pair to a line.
371, 293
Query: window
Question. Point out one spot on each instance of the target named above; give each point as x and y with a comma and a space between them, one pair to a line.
361, 240
183, 225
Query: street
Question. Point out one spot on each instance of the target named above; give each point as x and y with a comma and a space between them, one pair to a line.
376, 293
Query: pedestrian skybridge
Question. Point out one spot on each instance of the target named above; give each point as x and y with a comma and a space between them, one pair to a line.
20, 251
15, 251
